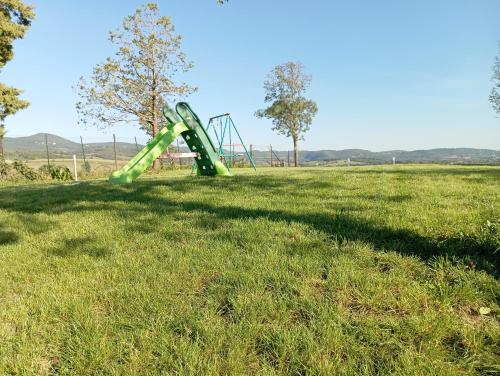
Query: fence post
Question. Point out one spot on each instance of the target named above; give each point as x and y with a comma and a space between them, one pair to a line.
271, 154
348, 162
136, 145
83, 152
114, 150
288, 158
47, 149
74, 167
251, 155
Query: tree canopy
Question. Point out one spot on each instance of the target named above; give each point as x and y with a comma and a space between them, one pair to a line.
495, 91
291, 113
134, 84
15, 19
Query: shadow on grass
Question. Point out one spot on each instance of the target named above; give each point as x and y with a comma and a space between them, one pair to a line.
140, 197
80, 246
486, 173
7, 236
345, 227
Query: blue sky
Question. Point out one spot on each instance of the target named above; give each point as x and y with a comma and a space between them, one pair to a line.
386, 74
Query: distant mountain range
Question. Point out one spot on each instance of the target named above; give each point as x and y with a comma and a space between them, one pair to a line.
444, 155
34, 147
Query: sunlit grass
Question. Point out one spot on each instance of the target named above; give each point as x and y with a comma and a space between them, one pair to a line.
362, 270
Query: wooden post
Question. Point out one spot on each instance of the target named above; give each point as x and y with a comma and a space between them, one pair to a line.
288, 158
114, 150
136, 145
83, 152
251, 154
271, 154
74, 167
47, 149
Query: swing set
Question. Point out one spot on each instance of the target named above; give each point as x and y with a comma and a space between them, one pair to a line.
225, 132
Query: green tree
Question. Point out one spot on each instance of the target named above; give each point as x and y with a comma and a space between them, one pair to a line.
291, 113
134, 84
15, 19
495, 91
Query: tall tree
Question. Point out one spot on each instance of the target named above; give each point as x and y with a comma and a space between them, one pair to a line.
495, 91
291, 113
134, 84
15, 19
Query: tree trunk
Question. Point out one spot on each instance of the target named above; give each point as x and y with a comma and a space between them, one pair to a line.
154, 129
295, 152
156, 165
2, 133
156, 162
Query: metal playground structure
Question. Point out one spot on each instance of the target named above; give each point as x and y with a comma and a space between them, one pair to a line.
228, 140
183, 121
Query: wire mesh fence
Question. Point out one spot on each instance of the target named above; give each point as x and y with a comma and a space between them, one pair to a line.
107, 153
99, 156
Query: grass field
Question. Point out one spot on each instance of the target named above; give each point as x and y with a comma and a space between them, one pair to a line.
349, 271
98, 165
100, 168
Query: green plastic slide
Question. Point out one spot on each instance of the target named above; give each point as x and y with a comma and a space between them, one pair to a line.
184, 122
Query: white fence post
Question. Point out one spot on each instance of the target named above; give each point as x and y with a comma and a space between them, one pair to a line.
74, 167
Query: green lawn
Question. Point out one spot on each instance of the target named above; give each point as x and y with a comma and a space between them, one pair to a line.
350, 271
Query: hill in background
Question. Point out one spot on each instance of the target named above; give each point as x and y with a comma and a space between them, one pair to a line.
443, 155
34, 147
